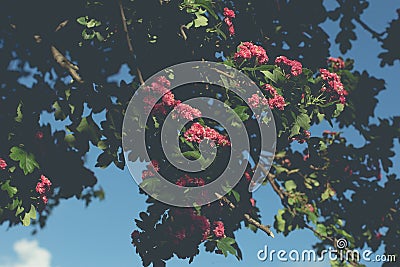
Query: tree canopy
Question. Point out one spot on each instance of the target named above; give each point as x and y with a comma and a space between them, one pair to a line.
57, 58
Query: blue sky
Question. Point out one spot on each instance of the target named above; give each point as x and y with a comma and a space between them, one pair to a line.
100, 234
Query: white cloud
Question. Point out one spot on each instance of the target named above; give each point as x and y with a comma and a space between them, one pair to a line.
29, 254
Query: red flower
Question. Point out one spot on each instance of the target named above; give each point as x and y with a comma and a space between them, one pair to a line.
219, 229
197, 133
294, 67
3, 164
253, 202
336, 63
229, 13
190, 181
247, 176
42, 187
310, 207
333, 86
39, 135
185, 111
248, 50
44, 199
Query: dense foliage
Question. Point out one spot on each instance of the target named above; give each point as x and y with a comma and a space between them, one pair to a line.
57, 57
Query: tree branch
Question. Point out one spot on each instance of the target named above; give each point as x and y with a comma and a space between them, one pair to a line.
374, 34
249, 219
66, 64
128, 40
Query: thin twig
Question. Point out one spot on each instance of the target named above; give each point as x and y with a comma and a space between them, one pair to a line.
183, 27
65, 63
128, 40
374, 34
249, 219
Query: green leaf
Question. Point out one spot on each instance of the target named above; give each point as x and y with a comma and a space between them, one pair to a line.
192, 154
200, 20
59, 113
302, 121
321, 229
241, 112
88, 36
99, 36
32, 212
19, 113
268, 75
290, 185
26, 221
88, 126
82, 20
102, 145
11, 190
225, 245
338, 110
236, 195
279, 221
26, 160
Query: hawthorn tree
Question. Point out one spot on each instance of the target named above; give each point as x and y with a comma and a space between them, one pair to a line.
57, 57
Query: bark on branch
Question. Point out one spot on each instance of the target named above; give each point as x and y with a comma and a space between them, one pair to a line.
249, 219
66, 64
128, 40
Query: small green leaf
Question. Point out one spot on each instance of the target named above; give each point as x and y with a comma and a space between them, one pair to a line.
82, 20
102, 145
99, 37
236, 195
19, 113
26, 160
338, 110
11, 190
290, 185
268, 75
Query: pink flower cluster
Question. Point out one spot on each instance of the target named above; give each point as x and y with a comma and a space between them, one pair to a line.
43, 187
189, 181
293, 66
152, 168
336, 63
161, 87
228, 16
219, 229
199, 226
258, 100
247, 50
3, 164
197, 133
333, 86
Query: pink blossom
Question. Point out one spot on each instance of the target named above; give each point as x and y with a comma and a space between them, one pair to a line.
253, 202
277, 102
333, 86
3, 164
185, 111
336, 63
39, 135
294, 67
219, 229
44, 199
247, 176
197, 133
229, 13
247, 50
187, 181
169, 99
